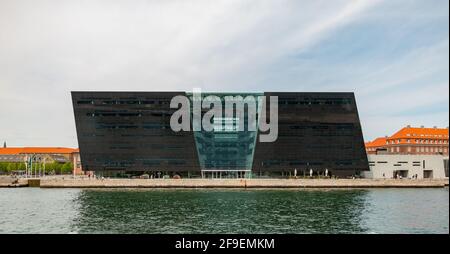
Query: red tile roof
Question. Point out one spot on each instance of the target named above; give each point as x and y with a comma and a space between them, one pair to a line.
11, 150
411, 132
40, 150
376, 143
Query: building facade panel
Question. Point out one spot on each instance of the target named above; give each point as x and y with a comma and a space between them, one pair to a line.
412, 140
319, 131
130, 131
390, 166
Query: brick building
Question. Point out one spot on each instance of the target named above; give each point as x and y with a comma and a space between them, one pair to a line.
48, 154
412, 140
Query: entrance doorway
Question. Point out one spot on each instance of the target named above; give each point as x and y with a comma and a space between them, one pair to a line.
428, 174
226, 174
400, 174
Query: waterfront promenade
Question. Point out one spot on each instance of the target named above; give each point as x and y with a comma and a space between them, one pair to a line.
69, 182
241, 183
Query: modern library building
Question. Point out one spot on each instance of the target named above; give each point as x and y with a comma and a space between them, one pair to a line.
130, 133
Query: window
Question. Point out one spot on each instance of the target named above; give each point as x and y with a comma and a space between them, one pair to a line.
85, 102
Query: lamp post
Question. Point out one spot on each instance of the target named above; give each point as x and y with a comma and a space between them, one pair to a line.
44, 166
38, 171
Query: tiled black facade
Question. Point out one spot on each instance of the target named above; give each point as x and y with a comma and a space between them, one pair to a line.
317, 131
130, 131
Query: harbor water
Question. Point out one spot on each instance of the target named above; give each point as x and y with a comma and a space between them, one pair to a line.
153, 211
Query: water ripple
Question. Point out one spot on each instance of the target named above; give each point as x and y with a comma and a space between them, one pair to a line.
33, 210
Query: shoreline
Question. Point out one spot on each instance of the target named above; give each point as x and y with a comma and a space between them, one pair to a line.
241, 183
227, 183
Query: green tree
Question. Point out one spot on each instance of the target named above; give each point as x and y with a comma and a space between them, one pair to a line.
67, 168
12, 166
49, 167
3, 167
53, 167
21, 166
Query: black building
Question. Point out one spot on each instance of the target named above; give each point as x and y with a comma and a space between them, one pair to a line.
129, 132
317, 131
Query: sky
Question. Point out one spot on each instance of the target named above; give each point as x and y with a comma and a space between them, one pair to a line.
393, 54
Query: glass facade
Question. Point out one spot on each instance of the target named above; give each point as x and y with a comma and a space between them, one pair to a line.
226, 148
130, 132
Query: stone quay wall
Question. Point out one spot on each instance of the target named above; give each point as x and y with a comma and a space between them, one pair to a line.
241, 183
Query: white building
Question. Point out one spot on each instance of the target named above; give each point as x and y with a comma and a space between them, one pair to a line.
407, 166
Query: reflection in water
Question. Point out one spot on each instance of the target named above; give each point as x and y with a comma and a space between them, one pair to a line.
220, 211
35, 210
411, 211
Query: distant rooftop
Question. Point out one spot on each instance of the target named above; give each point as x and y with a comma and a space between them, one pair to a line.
377, 142
409, 132
37, 150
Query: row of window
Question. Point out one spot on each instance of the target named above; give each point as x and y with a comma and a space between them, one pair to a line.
302, 163
418, 141
145, 162
127, 114
133, 126
126, 102
419, 149
288, 101
316, 102
427, 135
321, 127
399, 162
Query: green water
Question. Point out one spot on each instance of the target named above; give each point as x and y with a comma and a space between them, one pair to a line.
34, 210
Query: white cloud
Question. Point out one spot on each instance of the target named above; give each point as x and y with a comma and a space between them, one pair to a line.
48, 48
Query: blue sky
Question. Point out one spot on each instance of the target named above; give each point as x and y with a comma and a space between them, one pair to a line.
393, 54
